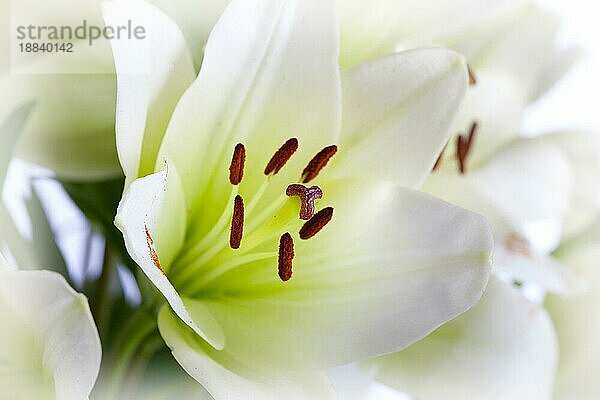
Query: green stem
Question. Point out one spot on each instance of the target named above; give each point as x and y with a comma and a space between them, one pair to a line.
135, 333
101, 299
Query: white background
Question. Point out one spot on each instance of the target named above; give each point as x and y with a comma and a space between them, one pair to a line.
574, 103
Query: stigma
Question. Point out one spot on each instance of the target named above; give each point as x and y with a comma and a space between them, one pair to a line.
307, 198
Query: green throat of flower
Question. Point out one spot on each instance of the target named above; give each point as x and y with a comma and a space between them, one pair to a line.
252, 229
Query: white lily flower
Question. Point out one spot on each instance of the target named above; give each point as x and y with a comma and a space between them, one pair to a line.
525, 192
49, 346
503, 348
260, 299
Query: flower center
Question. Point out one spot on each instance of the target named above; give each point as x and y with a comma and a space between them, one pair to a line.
252, 238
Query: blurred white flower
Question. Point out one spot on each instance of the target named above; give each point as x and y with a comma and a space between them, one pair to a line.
525, 187
503, 348
577, 320
386, 264
71, 130
49, 346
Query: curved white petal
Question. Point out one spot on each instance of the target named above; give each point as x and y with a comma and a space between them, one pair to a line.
583, 153
49, 346
152, 73
195, 18
390, 267
377, 30
397, 114
577, 321
71, 129
152, 217
269, 73
226, 378
524, 190
542, 270
505, 348
496, 103
507, 44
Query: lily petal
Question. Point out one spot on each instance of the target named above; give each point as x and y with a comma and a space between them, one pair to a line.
49, 344
146, 98
397, 114
506, 45
577, 323
583, 152
497, 105
377, 30
257, 86
72, 116
524, 190
71, 130
392, 265
542, 270
505, 348
195, 18
149, 231
226, 378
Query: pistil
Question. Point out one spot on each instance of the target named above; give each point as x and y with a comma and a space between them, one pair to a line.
307, 198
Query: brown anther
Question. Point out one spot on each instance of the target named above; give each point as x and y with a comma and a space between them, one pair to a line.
439, 159
281, 156
150, 244
462, 151
316, 223
472, 134
236, 168
472, 77
237, 223
286, 256
307, 198
464, 144
317, 163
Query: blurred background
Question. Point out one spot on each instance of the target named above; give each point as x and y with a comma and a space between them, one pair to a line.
574, 102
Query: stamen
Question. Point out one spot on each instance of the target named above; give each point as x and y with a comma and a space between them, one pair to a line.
439, 159
316, 223
307, 198
462, 151
153, 255
236, 168
464, 144
318, 163
286, 255
472, 76
472, 133
281, 156
237, 223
